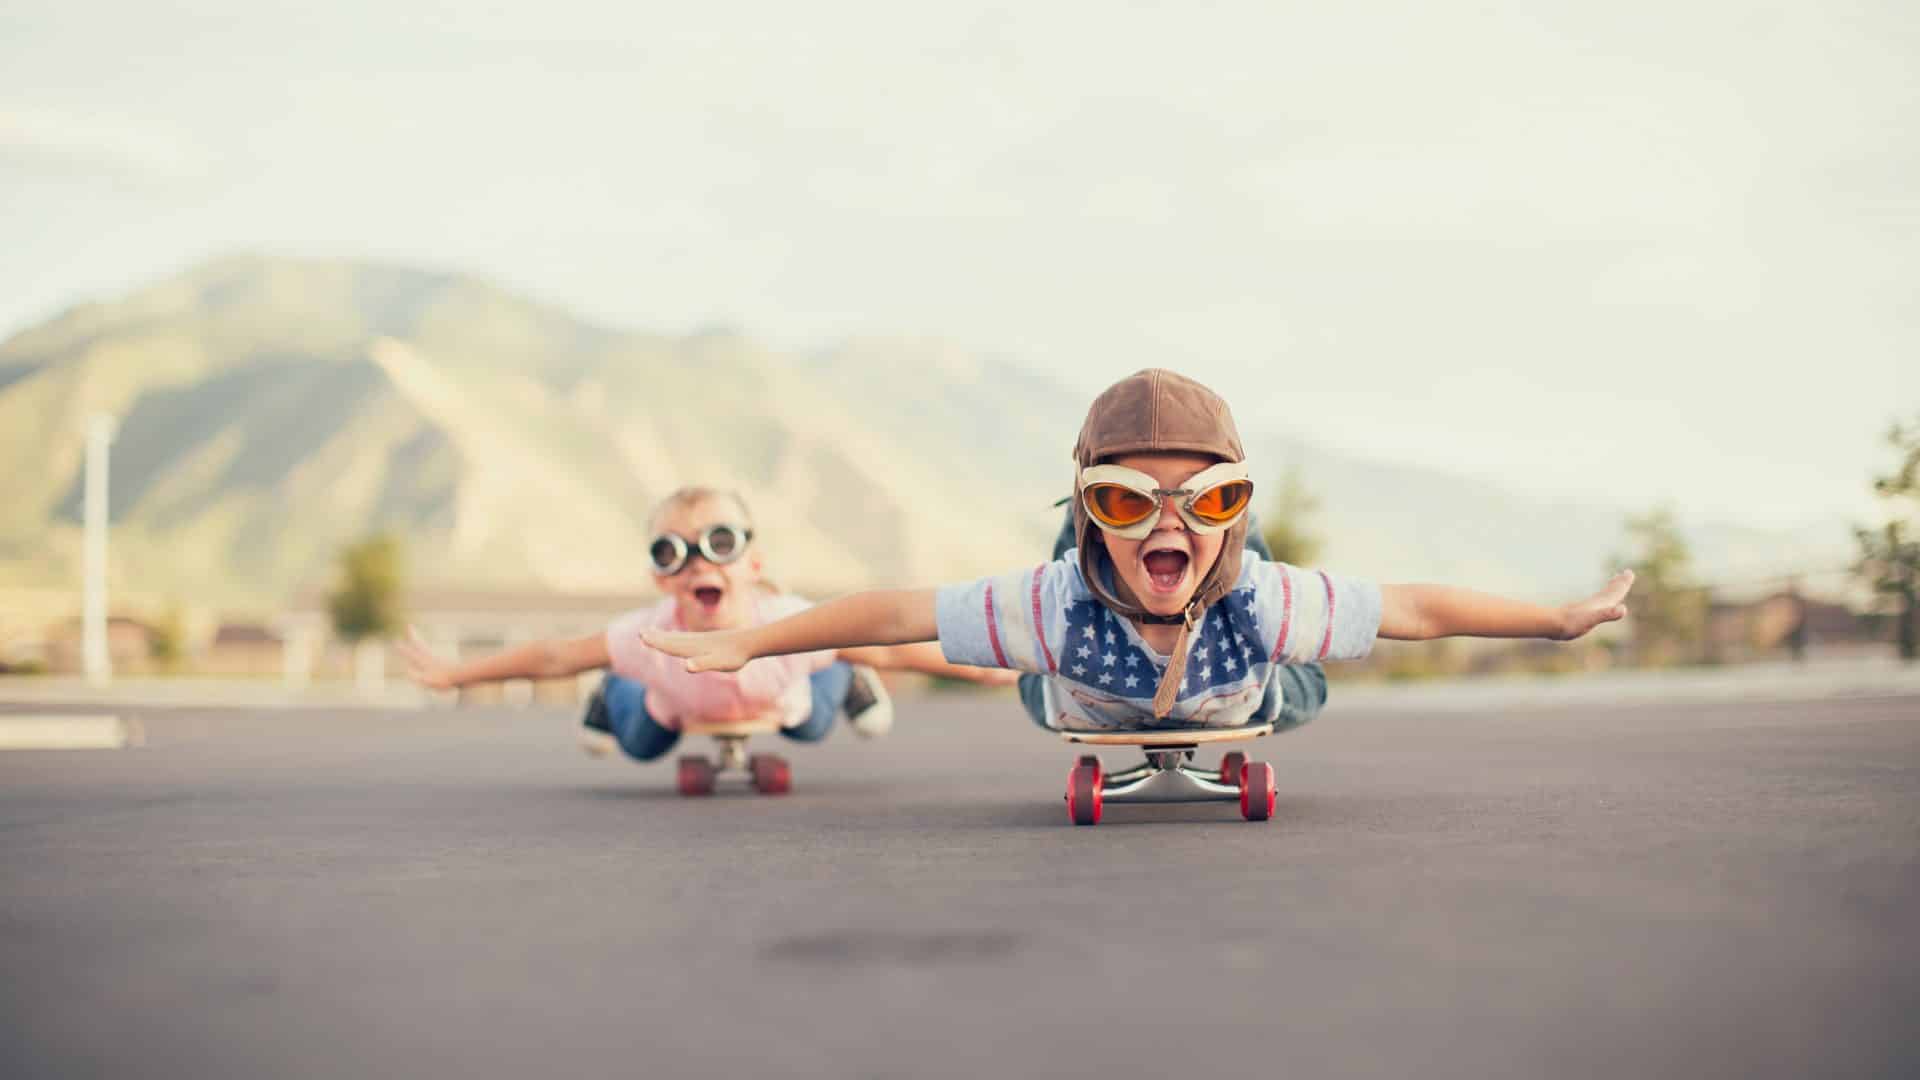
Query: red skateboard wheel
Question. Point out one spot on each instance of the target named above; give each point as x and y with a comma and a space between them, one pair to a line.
696, 776
1256, 791
1231, 766
1083, 795
771, 774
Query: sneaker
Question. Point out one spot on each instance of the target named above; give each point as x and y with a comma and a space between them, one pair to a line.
596, 734
598, 744
867, 706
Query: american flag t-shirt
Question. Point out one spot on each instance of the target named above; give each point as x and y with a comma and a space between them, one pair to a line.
1046, 621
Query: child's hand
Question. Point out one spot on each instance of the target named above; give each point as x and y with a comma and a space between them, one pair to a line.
423, 666
1602, 607
712, 650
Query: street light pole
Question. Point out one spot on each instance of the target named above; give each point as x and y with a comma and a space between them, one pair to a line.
93, 627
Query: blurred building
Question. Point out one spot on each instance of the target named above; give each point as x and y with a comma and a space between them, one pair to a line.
1788, 623
130, 646
242, 648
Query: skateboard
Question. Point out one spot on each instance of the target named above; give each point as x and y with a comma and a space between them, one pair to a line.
768, 773
1169, 774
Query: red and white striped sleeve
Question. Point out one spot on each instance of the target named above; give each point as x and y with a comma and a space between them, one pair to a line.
1307, 616
1007, 621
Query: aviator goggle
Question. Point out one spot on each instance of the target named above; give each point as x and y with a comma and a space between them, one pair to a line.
1126, 502
718, 544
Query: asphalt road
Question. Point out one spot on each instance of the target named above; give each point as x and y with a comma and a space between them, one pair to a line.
1706, 891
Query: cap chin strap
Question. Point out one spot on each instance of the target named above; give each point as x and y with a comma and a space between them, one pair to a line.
1169, 688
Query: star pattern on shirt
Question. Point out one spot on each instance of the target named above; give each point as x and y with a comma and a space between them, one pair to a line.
1104, 651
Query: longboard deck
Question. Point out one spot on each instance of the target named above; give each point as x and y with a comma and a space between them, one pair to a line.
735, 727
1165, 736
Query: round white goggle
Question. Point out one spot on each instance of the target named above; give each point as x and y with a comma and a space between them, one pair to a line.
718, 544
1126, 502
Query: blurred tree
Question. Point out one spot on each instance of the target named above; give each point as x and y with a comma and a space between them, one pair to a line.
167, 640
1669, 611
1286, 526
1890, 555
367, 603
1797, 635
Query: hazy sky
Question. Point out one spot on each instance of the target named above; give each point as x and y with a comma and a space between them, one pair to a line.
1635, 250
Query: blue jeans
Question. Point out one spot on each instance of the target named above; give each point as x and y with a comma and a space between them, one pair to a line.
644, 738
1302, 687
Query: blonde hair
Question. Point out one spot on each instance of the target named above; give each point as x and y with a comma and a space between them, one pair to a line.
696, 494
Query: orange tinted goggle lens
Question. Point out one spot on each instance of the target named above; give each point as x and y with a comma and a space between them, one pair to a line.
1119, 506
1222, 503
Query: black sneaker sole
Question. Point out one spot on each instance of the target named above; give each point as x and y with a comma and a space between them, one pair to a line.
596, 715
859, 699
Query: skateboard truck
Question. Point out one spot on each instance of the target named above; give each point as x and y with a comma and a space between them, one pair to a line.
1168, 774
768, 773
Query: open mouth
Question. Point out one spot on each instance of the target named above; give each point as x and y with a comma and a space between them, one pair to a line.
709, 597
1166, 570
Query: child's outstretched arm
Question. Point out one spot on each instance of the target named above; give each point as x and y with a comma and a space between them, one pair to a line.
928, 660
883, 617
1420, 612
546, 659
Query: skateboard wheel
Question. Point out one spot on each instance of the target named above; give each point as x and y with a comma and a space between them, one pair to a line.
1256, 791
771, 775
696, 776
1231, 766
1083, 795
1092, 761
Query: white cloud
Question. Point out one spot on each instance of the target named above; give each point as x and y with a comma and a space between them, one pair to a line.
69, 144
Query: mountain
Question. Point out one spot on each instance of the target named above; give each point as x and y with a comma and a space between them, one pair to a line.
272, 410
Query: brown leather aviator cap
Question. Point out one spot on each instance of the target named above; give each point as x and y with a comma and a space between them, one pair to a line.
1160, 410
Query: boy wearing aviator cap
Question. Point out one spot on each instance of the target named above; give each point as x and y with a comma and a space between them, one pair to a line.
1159, 617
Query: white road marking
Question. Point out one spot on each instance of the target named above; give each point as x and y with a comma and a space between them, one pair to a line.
66, 731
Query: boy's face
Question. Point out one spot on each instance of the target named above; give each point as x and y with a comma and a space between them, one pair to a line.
1161, 571
708, 597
